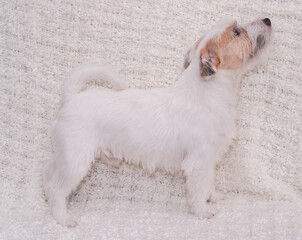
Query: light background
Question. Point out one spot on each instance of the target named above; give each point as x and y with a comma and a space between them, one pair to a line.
145, 41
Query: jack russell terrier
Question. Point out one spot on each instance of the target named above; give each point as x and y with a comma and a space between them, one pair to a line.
186, 127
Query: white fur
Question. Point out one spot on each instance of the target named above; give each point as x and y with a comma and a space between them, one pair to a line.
185, 127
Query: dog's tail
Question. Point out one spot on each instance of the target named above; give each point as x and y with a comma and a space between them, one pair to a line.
78, 79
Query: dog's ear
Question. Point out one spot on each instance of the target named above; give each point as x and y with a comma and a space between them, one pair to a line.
190, 53
209, 61
188, 59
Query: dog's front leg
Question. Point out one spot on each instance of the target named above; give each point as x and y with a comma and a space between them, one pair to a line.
199, 180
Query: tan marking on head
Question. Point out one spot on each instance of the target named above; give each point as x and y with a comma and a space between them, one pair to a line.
229, 50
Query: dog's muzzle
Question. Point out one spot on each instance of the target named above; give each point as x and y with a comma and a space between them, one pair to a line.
261, 33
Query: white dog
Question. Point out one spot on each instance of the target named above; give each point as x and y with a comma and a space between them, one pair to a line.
186, 127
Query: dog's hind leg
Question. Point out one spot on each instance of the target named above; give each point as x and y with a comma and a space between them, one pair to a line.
72, 161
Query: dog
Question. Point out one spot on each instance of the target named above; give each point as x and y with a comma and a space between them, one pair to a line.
186, 127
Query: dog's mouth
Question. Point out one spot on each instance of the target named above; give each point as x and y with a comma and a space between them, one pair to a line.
260, 32
260, 44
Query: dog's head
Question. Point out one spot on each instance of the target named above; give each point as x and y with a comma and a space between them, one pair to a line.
228, 46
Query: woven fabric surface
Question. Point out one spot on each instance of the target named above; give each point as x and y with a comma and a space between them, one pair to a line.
145, 42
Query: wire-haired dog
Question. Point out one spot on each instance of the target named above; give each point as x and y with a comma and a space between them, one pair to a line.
186, 127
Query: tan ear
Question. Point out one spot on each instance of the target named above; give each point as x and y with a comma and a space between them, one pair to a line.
209, 62
187, 59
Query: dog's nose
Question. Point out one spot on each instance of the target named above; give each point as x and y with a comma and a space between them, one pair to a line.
267, 21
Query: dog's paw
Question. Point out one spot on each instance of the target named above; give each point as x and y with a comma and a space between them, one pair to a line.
204, 211
67, 221
71, 223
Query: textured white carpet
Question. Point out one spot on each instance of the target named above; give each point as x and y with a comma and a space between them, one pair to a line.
145, 42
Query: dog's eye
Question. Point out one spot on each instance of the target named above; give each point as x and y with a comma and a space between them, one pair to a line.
236, 31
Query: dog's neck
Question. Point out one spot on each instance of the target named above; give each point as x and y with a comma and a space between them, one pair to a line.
223, 79
231, 79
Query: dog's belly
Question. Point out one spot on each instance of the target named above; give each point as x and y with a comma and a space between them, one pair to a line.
142, 144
